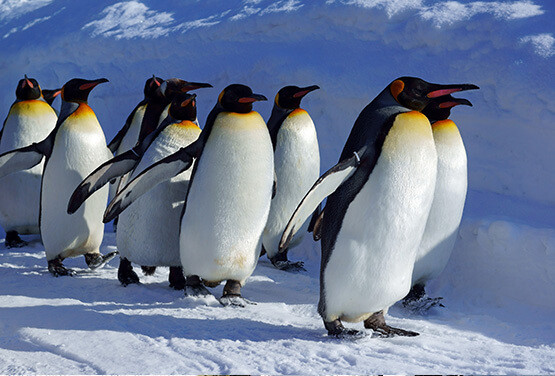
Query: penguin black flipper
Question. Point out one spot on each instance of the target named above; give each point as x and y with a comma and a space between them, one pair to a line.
26, 157
116, 141
160, 171
324, 186
114, 168
314, 218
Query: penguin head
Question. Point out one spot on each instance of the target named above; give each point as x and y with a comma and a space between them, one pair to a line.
238, 98
78, 89
184, 107
174, 86
152, 87
289, 97
28, 88
415, 93
50, 94
440, 107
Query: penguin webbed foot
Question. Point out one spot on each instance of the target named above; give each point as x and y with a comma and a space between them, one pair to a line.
234, 300
176, 278
96, 260
148, 270
281, 262
336, 329
194, 287
56, 268
417, 301
126, 274
376, 322
14, 241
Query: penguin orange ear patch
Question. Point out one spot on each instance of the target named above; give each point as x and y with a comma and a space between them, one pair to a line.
396, 88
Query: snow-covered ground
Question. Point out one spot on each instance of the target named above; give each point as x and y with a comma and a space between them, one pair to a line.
499, 286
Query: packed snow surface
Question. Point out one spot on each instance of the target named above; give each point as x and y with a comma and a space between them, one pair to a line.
499, 286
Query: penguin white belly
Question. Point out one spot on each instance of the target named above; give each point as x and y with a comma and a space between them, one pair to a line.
297, 165
148, 230
447, 207
128, 141
371, 265
229, 200
78, 149
28, 121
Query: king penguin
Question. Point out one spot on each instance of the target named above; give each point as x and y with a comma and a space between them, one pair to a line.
380, 194
229, 195
447, 207
72, 150
29, 120
297, 165
50, 94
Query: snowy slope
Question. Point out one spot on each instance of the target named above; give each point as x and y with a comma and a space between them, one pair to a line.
499, 286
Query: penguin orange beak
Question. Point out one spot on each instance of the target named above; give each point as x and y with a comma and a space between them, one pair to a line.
452, 102
27, 82
194, 86
91, 84
252, 98
441, 90
305, 90
187, 101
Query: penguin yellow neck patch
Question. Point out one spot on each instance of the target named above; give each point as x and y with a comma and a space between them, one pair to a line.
444, 125
396, 88
297, 111
187, 124
83, 111
30, 107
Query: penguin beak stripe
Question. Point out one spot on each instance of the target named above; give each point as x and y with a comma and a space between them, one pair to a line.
448, 104
304, 92
88, 86
246, 100
442, 92
56, 93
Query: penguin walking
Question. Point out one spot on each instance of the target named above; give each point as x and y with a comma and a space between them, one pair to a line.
148, 231
228, 201
447, 207
72, 150
380, 194
29, 120
297, 166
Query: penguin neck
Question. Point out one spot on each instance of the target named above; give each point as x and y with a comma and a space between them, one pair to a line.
67, 109
154, 109
277, 117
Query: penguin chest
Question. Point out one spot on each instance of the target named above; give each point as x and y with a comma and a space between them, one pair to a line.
78, 149
229, 199
297, 166
370, 267
27, 122
448, 203
148, 230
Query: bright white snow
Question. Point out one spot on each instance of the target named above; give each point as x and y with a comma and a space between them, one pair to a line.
499, 286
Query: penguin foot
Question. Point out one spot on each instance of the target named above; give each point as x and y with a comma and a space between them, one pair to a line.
194, 287
14, 241
126, 274
176, 278
336, 329
290, 266
376, 322
56, 268
97, 260
234, 300
422, 305
148, 270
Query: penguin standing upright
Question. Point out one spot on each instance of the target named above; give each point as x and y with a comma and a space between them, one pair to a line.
297, 165
29, 120
73, 149
447, 207
148, 231
380, 194
50, 94
229, 195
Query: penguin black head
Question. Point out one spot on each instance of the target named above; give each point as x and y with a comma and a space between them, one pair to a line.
415, 93
27, 89
152, 87
78, 89
50, 95
184, 107
239, 98
289, 97
174, 86
440, 108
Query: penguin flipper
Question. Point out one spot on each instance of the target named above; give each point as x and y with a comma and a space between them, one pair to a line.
160, 171
116, 141
21, 159
115, 167
324, 186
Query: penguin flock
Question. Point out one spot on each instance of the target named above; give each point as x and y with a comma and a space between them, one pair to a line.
209, 203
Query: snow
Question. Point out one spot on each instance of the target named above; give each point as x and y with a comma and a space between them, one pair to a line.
499, 286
